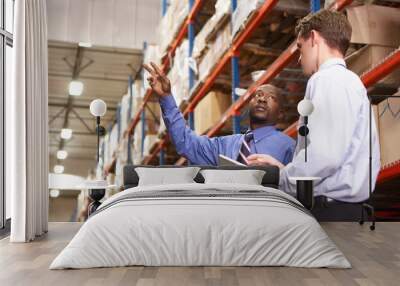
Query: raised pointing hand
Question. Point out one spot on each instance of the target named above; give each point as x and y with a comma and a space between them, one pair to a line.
158, 81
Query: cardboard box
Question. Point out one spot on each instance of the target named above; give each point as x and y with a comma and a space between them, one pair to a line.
151, 54
149, 141
214, 52
389, 130
154, 106
201, 42
179, 73
170, 23
210, 109
373, 24
242, 13
370, 56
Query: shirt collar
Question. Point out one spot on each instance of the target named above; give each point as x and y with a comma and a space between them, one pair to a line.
261, 132
331, 62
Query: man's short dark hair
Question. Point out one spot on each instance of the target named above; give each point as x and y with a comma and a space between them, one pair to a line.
278, 92
333, 27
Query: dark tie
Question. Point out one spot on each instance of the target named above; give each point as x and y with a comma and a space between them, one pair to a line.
245, 148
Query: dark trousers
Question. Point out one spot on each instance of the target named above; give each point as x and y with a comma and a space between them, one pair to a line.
331, 210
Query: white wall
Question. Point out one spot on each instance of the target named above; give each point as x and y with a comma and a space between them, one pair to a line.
116, 23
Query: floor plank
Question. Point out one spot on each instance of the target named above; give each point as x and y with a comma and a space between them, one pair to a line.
374, 255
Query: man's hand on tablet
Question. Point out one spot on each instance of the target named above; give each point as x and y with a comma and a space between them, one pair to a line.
263, 159
158, 81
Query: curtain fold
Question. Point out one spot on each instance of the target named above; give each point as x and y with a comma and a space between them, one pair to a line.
27, 131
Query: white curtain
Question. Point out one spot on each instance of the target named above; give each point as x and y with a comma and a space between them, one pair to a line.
26, 124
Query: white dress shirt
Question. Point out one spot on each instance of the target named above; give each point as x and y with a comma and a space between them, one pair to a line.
338, 141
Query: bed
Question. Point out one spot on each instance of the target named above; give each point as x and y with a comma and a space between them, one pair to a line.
201, 224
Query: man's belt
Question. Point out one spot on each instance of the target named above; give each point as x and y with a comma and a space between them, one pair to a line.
325, 201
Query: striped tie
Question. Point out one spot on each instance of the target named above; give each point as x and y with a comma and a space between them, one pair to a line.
245, 148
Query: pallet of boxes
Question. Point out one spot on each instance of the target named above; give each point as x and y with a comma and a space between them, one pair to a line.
170, 24
141, 145
376, 30
210, 44
212, 41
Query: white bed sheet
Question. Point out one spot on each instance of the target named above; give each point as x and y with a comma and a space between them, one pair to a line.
200, 231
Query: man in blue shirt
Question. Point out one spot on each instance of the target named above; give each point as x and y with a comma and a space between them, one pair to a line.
262, 139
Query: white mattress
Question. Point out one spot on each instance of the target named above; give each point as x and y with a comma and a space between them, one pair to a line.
269, 228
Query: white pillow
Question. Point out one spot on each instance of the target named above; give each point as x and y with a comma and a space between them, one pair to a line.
163, 176
249, 177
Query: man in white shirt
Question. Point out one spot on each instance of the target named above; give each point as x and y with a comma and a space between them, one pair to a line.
338, 139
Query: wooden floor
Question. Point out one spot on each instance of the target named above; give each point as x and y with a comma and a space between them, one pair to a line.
375, 257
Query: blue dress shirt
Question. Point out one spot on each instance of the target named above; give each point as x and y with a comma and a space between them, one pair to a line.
202, 150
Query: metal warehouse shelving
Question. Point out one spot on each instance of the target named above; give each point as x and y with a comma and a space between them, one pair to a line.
195, 6
283, 60
369, 78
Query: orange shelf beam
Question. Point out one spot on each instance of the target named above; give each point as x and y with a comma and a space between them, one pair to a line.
389, 172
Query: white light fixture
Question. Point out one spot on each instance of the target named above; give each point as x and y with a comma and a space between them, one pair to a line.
75, 88
54, 193
305, 107
98, 107
66, 133
62, 154
98, 188
58, 169
85, 44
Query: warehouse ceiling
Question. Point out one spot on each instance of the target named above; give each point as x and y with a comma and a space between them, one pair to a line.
104, 73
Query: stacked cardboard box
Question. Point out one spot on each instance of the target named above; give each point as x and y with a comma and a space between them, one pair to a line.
149, 141
104, 150
222, 11
210, 109
137, 145
151, 128
124, 115
378, 27
389, 130
375, 25
242, 13
171, 22
162, 129
151, 54
123, 150
214, 52
179, 73
138, 88
112, 144
118, 179
370, 56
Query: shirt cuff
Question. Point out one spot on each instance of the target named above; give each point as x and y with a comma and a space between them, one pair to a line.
167, 102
